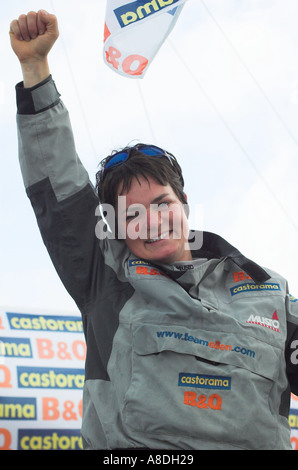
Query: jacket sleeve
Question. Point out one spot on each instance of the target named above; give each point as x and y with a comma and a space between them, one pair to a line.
63, 199
292, 343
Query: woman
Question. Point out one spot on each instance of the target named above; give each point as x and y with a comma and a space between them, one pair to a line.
190, 345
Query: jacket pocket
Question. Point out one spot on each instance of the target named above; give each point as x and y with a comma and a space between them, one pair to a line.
204, 385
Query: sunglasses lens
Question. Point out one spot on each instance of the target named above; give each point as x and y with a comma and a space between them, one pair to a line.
151, 151
116, 160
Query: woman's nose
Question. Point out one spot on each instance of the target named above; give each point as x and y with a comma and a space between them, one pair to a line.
158, 221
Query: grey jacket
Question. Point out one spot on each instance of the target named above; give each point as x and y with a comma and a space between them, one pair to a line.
198, 356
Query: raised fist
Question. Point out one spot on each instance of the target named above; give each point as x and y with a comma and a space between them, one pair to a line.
33, 35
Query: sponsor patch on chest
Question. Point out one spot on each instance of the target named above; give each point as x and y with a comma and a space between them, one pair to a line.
271, 323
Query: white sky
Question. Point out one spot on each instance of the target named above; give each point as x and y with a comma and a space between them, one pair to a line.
222, 95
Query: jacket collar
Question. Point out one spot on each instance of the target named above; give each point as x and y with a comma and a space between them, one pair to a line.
215, 247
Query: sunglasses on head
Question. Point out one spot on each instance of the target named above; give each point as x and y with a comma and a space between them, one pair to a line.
120, 157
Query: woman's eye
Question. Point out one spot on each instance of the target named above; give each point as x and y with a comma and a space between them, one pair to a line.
132, 215
163, 205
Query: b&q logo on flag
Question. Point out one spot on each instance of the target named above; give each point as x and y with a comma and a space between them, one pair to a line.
135, 31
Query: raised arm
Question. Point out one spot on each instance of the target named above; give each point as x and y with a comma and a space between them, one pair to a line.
56, 182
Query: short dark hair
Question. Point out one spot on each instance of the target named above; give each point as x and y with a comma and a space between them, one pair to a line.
161, 169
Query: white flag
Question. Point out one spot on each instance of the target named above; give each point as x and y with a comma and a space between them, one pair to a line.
134, 32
